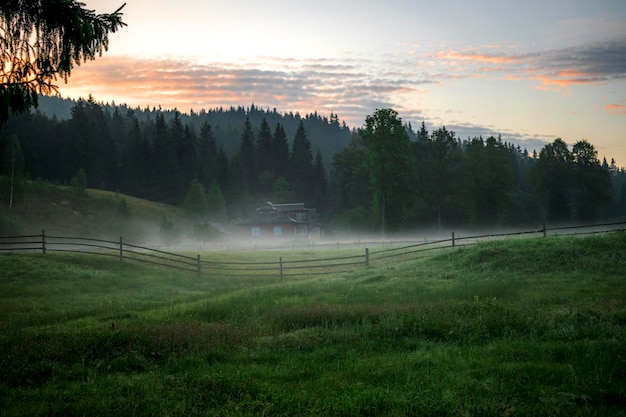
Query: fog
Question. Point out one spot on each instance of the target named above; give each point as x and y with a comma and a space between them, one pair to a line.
236, 239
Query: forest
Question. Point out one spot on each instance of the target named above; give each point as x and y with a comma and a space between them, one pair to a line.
222, 163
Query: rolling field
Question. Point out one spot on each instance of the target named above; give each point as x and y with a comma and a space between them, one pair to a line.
521, 327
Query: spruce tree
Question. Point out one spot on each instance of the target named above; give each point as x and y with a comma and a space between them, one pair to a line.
247, 155
301, 166
442, 176
264, 145
207, 155
187, 152
280, 148
43, 40
164, 183
319, 181
265, 160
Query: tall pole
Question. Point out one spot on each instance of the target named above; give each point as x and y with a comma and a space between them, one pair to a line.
12, 177
382, 214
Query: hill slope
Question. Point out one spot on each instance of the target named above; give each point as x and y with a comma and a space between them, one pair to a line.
61, 210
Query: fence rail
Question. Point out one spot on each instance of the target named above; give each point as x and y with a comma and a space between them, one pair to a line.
284, 268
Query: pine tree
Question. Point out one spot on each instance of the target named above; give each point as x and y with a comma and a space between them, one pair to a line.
264, 146
422, 134
164, 184
319, 180
265, 160
135, 161
43, 40
222, 169
280, 149
441, 177
93, 147
247, 155
301, 165
207, 155
236, 193
187, 152
487, 181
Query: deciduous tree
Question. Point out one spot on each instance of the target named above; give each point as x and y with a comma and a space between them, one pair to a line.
390, 164
196, 204
551, 177
592, 183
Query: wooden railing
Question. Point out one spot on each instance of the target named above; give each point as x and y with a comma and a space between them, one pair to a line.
44, 244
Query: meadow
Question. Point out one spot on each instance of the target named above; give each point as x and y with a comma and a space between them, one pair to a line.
532, 327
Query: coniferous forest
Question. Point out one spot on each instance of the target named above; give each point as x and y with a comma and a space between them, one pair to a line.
237, 158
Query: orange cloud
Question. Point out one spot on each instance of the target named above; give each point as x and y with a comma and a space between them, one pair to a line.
572, 74
564, 79
304, 86
615, 108
492, 59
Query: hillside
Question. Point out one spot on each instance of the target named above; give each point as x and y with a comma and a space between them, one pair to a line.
61, 210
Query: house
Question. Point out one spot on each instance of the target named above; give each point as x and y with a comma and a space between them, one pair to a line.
283, 220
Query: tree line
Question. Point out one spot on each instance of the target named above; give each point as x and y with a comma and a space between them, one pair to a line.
247, 156
221, 164
384, 179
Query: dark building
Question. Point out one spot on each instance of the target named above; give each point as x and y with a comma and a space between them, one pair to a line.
283, 221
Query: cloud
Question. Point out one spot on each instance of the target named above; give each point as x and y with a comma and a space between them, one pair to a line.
588, 64
615, 108
324, 83
557, 69
351, 88
479, 57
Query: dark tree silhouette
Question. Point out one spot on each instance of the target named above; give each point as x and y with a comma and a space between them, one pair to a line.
551, 177
390, 164
280, 149
41, 40
301, 165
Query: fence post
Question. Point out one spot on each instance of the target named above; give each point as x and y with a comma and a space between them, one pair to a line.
121, 250
367, 257
43, 241
543, 229
453, 240
280, 261
198, 265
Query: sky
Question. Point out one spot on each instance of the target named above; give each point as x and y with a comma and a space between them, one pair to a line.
530, 71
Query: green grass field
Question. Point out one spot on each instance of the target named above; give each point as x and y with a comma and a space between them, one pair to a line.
522, 327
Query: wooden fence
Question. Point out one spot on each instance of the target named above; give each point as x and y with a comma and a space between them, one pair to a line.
397, 251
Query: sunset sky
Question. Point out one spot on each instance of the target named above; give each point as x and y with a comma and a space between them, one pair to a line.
529, 70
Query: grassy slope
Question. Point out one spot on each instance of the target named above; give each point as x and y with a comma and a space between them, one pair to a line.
59, 211
530, 327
